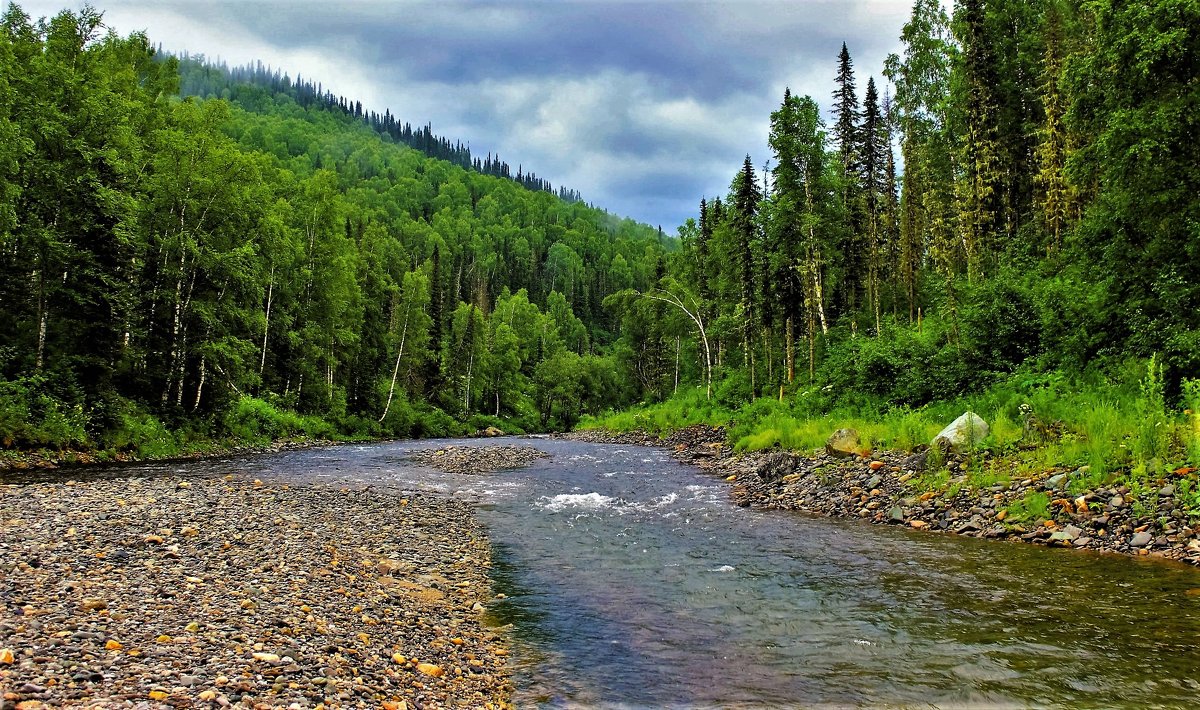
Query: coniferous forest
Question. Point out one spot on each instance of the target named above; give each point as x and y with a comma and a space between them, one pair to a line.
273, 262
1007, 209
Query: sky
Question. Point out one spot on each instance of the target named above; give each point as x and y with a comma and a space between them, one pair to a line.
644, 107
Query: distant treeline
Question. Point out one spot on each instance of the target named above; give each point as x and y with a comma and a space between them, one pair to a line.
267, 263
205, 79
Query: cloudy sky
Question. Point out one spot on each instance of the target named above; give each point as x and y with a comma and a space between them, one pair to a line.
644, 107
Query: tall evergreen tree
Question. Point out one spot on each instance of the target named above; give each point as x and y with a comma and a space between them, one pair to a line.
745, 228
873, 149
982, 187
852, 257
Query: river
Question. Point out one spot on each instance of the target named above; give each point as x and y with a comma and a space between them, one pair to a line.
631, 581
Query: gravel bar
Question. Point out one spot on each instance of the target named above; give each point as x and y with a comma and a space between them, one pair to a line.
160, 592
478, 460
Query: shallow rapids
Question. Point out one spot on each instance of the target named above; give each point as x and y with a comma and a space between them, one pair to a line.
631, 580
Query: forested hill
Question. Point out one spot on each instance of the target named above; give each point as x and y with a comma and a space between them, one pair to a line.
254, 86
263, 267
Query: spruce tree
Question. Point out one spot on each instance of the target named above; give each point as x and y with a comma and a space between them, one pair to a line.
846, 137
981, 187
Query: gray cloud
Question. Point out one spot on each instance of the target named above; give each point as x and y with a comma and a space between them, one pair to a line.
642, 106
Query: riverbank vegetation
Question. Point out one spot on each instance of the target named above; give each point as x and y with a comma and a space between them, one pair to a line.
1004, 221
260, 259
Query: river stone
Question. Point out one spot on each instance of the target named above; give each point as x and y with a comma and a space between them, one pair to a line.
775, 466
843, 443
896, 514
1055, 482
963, 434
916, 462
1141, 539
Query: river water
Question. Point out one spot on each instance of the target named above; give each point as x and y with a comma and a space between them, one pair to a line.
631, 581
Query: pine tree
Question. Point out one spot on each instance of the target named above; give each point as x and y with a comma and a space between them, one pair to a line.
846, 136
1055, 195
745, 226
846, 113
872, 149
982, 187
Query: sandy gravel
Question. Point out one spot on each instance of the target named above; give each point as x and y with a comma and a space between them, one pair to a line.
209, 593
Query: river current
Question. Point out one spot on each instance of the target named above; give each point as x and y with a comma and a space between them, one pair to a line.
630, 580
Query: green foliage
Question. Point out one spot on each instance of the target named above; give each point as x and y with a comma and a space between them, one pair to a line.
1033, 508
255, 420
32, 416
1153, 431
1191, 427
142, 434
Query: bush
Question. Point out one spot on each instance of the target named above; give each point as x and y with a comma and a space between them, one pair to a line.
1191, 394
254, 420
142, 434
31, 416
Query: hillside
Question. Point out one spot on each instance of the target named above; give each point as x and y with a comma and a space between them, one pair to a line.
177, 269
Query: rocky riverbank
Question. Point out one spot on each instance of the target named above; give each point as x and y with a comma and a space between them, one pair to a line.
161, 592
893, 488
18, 460
477, 460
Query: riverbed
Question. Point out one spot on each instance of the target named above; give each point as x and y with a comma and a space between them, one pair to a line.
630, 580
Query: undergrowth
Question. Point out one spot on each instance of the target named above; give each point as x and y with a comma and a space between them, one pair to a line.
1115, 430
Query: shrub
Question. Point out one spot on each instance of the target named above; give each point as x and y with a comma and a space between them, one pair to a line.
252, 419
142, 434
31, 416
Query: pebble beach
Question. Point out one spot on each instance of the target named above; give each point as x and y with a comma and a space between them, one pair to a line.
166, 592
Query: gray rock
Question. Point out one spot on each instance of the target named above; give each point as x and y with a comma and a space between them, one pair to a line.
843, 443
874, 482
896, 514
1141, 539
1167, 490
916, 462
1055, 482
963, 434
775, 466
1067, 535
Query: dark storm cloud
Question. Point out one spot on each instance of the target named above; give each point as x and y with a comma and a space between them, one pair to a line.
642, 106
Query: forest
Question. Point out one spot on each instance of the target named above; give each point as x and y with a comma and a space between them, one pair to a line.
257, 261
1008, 212
1005, 219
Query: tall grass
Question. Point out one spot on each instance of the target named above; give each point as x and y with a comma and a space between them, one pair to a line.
1191, 427
1101, 429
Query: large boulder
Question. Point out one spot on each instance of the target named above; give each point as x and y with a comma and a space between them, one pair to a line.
843, 443
963, 434
775, 466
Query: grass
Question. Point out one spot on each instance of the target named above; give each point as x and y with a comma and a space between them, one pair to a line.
1033, 508
1104, 431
